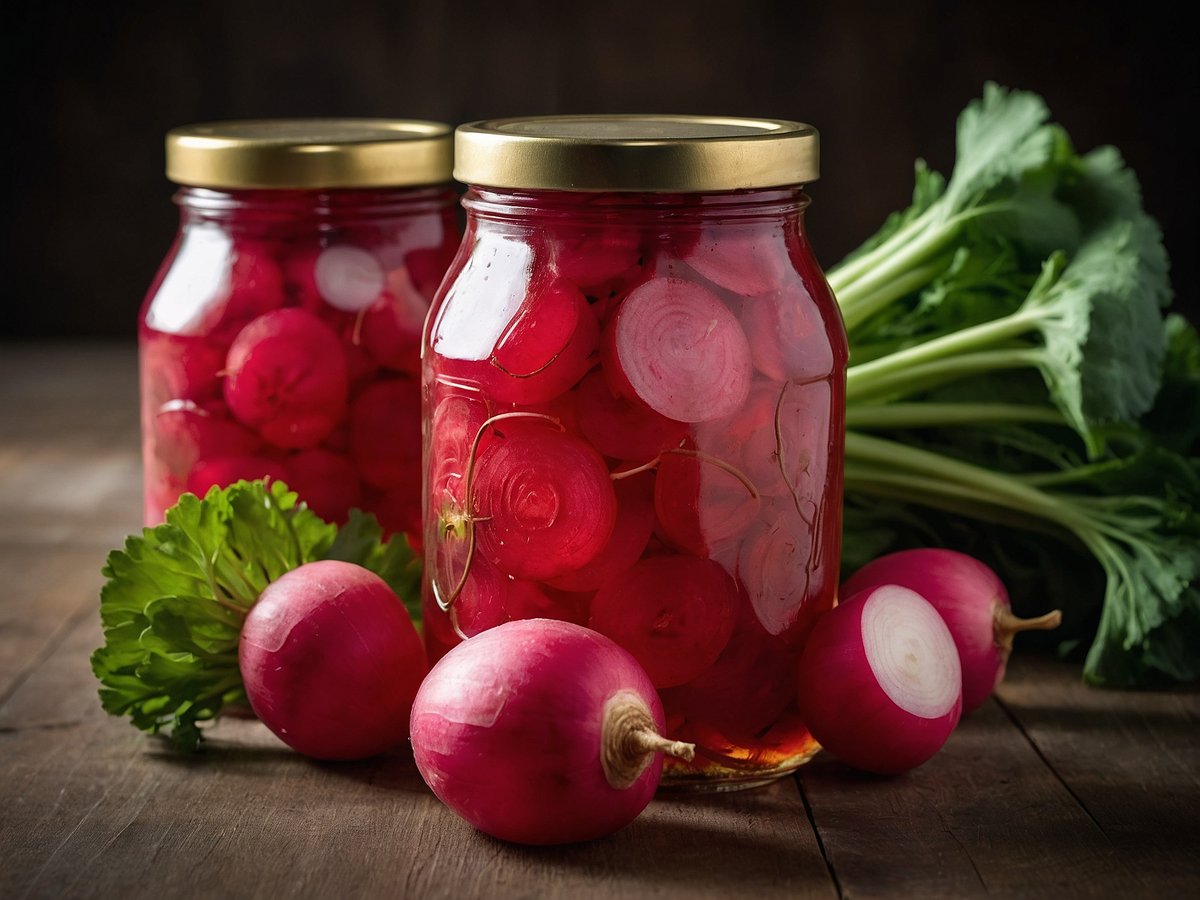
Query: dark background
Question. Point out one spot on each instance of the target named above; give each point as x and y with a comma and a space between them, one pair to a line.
92, 88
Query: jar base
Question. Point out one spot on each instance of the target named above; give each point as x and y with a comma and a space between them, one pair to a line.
717, 778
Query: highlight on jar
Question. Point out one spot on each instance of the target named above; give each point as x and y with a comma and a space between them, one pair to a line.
281, 336
633, 385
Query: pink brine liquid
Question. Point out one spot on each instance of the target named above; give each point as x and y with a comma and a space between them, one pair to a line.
634, 421
281, 339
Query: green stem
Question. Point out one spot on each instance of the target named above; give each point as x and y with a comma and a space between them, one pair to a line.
846, 274
935, 373
937, 415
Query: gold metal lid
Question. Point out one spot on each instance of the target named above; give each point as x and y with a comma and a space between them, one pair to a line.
310, 153
635, 153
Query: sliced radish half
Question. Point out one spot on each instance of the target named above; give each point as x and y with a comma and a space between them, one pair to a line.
348, 278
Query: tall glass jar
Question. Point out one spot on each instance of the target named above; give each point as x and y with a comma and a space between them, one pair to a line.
633, 389
281, 337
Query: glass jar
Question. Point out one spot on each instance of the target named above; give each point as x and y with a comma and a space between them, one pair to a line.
281, 336
633, 388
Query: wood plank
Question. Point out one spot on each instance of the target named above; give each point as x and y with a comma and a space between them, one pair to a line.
93, 808
1131, 758
984, 816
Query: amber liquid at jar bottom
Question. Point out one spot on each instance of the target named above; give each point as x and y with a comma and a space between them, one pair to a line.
634, 421
281, 339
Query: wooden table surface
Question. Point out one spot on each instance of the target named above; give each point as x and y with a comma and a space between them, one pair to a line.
1051, 789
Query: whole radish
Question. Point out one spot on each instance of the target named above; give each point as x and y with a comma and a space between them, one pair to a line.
880, 685
541, 732
971, 599
331, 661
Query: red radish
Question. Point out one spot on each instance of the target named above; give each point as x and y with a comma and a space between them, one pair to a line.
255, 288
620, 428
550, 344
457, 420
776, 564
541, 732
970, 598
543, 501
630, 534
300, 283
745, 690
745, 259
222, 471
591, 256
427, 265
348, 278
880, 683
675, 614
676, 347
286, 377
534, 601
702, 503
331, 661
787, 335
179, 368
385, 432
185, 433
390, 330
326, 481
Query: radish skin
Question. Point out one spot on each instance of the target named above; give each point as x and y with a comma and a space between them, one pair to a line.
970, 598
880, 686
541, 732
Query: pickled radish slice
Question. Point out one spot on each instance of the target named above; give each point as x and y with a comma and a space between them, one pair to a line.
676, 347
543, 501
385, 432
482, 602
747, 260
880, 685
621, 428
702, 506
348, 278
184, 433
222, 471
675, 614
631, 533
745, 690
286, 377
591, 256
456, 422
787, 335
326, 481
776, 564
549, 346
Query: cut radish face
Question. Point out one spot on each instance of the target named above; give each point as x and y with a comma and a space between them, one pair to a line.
482, 602
543, 501
745, 259
745, 690
348, 278
185, 433
222, 471
620, 428
591, 256
326, 481
286, 377
880, 683
385, 432
631, 533
776, 564
549, 346
675, 614
702, 503
787, 335
676, 347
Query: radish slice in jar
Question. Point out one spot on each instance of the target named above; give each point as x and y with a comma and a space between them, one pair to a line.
185, 433
675, 614
676, 347
787, 335
385, 429
620, 428
590, 256
255, 285
777, 563
286, 377
348, 278
746, 259
880, 683
179, 368
631, 533
549, 346
703, 504
543, 501
326, 481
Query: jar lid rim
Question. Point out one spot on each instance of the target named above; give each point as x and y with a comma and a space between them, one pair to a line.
310, 153
677, 153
